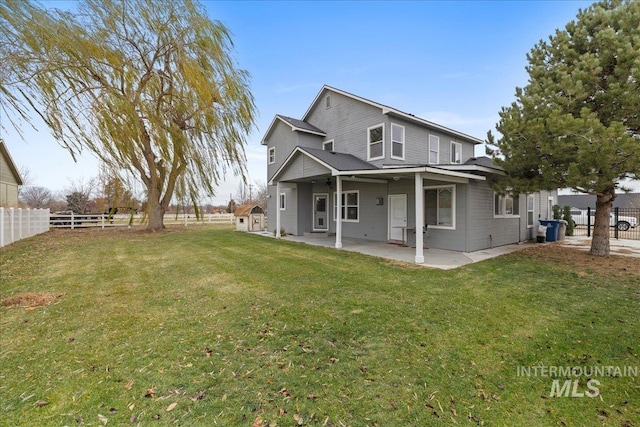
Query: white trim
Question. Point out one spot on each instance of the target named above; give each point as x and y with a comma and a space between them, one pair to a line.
390, 111
419, 220
313, 219
271, 155
436, 139
397, 142
458, 150
412, 170
324, 143
369, 158
453, 206
338, 244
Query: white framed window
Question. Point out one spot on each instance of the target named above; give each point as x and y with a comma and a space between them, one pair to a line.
440, 206
506, 206
397, 141
283, 201
327, 102
272, 155
530, 205
375, 142
350, 206
456, 153
328, 145
434, 149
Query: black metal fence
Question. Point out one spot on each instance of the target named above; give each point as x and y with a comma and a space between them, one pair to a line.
624, 223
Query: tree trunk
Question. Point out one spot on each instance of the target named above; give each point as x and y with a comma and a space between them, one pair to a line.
155, 212
600, 242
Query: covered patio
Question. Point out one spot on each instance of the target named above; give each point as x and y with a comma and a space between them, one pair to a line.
433, 258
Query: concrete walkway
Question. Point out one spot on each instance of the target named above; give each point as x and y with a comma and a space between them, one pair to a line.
434, 258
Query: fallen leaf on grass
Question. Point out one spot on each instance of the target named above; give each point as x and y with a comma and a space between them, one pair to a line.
41, 403
298, 419
198, 396
128, 385
104, 420
257, 422
171, 407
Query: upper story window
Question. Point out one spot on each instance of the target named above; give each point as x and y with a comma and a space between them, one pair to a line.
327, 145
375, 142
397, 141
434, 149
327, 101
456, 153
272, 155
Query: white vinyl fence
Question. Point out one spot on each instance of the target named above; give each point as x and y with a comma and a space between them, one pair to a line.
18, 223
73, 221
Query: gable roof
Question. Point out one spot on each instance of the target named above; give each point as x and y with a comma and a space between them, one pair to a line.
12, 166
335, 162
294, 124
390, 111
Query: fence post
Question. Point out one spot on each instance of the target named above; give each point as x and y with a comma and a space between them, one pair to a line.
589, 221
615, 227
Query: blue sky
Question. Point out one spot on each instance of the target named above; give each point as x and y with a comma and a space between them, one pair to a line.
452, 62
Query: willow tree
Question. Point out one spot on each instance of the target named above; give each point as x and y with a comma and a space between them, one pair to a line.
150, 88
577, 122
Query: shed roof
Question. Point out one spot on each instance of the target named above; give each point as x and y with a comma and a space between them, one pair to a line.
246, 210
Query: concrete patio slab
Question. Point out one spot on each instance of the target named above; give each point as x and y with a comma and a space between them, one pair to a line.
434, 258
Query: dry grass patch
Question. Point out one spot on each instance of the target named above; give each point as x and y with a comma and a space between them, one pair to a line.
583, 262
31, 299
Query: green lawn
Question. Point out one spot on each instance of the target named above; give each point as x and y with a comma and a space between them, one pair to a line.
207, 326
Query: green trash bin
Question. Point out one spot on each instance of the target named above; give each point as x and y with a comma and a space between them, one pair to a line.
552, 228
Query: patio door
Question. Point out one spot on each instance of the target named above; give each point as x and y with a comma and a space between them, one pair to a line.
320, 211
397, 216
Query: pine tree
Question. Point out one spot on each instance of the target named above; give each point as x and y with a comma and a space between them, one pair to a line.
577, 122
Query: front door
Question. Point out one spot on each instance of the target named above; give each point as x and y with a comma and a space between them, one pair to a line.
397, 216
320, 222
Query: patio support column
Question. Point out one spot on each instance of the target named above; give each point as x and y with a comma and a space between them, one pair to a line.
419, 219
339, 212
278, 210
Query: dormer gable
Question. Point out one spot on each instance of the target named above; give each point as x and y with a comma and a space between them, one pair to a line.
295, 125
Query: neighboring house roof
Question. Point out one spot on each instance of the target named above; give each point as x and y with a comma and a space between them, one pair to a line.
4, 152
626, 200
391, 111
294, 124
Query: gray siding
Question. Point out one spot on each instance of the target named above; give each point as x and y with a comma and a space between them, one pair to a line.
301, 166
289, 216
285, 141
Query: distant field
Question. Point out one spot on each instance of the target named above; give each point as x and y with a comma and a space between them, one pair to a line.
203, 326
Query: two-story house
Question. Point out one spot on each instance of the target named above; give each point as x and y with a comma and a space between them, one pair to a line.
389, 176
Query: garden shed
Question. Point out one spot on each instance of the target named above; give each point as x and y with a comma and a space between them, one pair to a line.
249, 218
